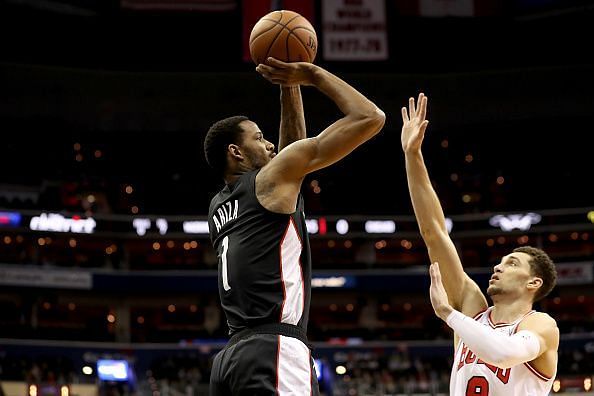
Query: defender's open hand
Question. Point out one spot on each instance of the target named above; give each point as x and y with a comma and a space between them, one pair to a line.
414, 124
437, 293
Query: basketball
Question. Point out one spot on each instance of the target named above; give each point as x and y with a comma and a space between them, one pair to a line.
284, 35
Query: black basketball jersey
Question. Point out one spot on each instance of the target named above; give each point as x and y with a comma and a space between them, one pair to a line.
264, 258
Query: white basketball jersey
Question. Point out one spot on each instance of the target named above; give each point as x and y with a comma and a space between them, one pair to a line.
472, 376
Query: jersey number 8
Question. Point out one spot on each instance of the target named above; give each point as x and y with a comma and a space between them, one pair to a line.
477, 386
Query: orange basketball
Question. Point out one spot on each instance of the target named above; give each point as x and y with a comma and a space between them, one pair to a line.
284, 35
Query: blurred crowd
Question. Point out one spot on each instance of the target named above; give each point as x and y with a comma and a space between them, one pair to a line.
356, 371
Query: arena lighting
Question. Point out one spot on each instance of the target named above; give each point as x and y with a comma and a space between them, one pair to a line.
323, 225
587, 384
10, 219
515, 221
342, 226
449, 224
57, 222
32, 390
64, 391
312, 226
141, 225
112, 370
87, 370
333, 281
380, 226
162, 226
318, 366
195, 227
317, 226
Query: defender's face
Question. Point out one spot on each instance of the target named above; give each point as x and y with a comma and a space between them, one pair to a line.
511, 276
257, 150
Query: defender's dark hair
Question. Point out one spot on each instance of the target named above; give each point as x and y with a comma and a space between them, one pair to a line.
541, 266
219, 136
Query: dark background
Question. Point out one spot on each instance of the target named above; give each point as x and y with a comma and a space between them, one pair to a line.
512, 90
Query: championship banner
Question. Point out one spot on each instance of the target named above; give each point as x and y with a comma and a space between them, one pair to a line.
354, 30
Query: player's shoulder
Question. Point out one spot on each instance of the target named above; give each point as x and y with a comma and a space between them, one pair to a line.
539, 321
544, 317
216, 199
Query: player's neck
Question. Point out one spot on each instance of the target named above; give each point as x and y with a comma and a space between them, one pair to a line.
507, 311
231, 177
235, 173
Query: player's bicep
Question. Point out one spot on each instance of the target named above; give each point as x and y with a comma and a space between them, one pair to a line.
545, 328
293, 163
331, 145
342, 137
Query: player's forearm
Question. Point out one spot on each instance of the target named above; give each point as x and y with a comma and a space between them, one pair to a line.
292, 123
350, 101
491, 346
426, 205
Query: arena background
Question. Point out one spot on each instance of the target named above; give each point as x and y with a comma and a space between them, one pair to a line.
104, 258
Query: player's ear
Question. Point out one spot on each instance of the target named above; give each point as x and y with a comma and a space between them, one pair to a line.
534, 283
235, 152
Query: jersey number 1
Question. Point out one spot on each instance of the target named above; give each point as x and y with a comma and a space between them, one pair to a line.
477, 386
224, 263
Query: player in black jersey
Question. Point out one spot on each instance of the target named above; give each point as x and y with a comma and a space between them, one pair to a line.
257, 226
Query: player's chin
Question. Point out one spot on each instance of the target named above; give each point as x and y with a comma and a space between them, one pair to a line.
493, 290
264, 161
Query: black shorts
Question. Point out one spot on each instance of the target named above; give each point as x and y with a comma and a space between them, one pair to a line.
264, 364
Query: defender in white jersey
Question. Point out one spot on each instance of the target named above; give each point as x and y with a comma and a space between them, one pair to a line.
504, 350
473, 376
